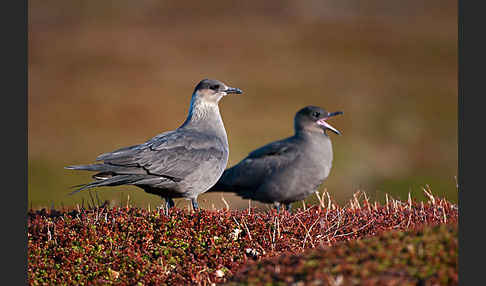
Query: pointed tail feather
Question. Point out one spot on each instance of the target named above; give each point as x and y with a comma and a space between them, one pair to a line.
77, 186
105, 168
91, 167
114, 181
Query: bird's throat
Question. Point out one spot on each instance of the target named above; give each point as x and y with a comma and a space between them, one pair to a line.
204, 116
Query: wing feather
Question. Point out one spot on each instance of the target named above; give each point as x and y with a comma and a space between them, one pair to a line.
174, 154
252, 171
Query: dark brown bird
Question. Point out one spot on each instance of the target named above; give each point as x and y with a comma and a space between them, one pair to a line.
288, 170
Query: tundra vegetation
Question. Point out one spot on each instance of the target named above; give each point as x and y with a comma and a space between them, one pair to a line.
360, 243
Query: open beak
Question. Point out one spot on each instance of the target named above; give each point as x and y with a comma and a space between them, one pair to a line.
322, 122
233, 90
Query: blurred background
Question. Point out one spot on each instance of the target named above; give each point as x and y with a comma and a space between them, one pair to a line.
108, 74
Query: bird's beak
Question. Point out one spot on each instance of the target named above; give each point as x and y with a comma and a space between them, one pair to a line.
322, 122
233, 90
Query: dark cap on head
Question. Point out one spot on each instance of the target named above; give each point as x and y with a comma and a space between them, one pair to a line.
216, 86
313, 119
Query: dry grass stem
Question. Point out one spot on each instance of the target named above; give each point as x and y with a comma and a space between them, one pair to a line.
226, 203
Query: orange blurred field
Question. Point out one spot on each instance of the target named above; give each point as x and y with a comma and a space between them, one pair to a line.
107, 74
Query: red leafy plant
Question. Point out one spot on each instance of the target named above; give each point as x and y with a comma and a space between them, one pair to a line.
130, 246
424, 256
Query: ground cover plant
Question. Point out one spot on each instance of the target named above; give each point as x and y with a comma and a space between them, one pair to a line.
425, 256
129, 246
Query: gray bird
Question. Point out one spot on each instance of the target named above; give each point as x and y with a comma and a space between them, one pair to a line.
287, 170
182, 163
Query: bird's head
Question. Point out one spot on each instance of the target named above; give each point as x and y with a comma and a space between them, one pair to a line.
314, 119
211, 91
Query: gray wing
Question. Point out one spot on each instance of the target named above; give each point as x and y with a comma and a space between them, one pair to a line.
260, 164
273, 150
174, 154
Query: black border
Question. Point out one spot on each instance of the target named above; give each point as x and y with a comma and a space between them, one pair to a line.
14, 140
471, 64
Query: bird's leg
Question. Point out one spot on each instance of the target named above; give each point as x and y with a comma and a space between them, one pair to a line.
195, 206
169, 203
197, 213
288, 207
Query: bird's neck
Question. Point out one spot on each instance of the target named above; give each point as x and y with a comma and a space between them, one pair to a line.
205, 117
318, 144
311, 136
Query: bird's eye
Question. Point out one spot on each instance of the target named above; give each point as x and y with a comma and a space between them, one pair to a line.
316, 114
214, 87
